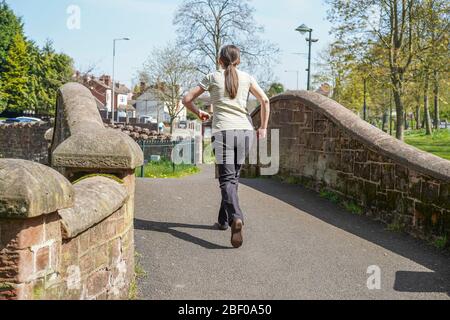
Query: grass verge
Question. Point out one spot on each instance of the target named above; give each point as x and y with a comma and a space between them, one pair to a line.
165, 170
438, 143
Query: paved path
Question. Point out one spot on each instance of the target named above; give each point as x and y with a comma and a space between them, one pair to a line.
297, 246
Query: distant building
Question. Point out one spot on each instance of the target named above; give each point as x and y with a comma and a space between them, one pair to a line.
150, 109
101, 88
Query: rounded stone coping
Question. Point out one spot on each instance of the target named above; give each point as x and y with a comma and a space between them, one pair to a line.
29, 189
99, 149
80, 139
96, 199
80, 107
374, 138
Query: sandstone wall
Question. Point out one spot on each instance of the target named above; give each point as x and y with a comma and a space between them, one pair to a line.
69, 234
328, 148
24, 141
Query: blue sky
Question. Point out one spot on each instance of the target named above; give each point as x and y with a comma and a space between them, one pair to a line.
149, 23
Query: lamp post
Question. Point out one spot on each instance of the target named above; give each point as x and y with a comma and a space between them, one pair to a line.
298, 74
304, 29
113, 81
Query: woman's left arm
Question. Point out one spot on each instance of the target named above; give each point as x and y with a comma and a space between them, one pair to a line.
188, 102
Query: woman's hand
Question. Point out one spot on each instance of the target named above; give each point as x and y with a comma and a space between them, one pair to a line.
204, 116
262, 133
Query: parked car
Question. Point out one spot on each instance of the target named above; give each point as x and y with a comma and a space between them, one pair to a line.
22, 120
444, 125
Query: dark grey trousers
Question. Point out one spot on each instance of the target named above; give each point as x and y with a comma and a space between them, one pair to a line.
231, 149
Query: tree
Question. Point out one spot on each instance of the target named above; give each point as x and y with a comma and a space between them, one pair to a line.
29, 76
204, 26
392, 23
49, 71
275, 89
169, 77
435, 24
10, 26
15, 80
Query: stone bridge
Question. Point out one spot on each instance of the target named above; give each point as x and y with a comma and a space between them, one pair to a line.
322, 228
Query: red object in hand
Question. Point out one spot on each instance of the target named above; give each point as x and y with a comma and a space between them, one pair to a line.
203, 116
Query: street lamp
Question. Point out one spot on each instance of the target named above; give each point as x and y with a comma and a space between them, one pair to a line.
298, 74
304, 29
113, 83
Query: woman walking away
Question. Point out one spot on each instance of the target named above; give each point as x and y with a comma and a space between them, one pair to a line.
233, 130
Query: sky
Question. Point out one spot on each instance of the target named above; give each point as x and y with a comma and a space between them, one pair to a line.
148, 23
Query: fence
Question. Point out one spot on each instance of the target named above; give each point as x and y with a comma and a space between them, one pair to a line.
161, 151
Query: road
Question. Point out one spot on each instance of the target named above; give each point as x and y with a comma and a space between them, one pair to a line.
297, 246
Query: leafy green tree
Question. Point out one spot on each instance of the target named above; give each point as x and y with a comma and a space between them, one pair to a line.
49, 71
29, 76
10, 26
275, 89
392, 24
15, 80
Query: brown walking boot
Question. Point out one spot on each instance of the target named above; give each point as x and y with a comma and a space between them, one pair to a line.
236, 233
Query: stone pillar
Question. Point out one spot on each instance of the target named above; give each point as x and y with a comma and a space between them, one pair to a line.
30, 232
82, 146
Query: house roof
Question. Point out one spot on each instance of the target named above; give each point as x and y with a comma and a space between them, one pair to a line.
121, 89
100, 83
100, 105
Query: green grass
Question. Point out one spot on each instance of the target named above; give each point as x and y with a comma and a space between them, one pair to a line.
208, 155
293, 180
437, 144
139, 273
395, 227
440, 242
164, 170
353, 208
349, 206
331, 196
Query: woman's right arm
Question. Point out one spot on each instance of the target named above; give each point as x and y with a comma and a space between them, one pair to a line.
188, 102
261, 96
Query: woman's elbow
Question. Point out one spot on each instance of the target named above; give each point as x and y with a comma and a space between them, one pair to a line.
186, 100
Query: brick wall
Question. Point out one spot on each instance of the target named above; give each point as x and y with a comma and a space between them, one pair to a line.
67, 239
24, 141
38, 264
326, 147
38, 261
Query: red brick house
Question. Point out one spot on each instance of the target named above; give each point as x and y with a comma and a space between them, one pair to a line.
101, 89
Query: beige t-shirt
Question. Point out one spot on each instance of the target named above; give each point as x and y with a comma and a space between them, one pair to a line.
229, 114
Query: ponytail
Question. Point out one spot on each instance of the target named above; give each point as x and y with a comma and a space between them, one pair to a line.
231, 81
230, 56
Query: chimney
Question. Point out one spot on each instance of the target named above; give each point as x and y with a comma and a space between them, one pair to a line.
106, 79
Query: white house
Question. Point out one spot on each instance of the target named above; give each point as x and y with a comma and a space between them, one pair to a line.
149, 108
